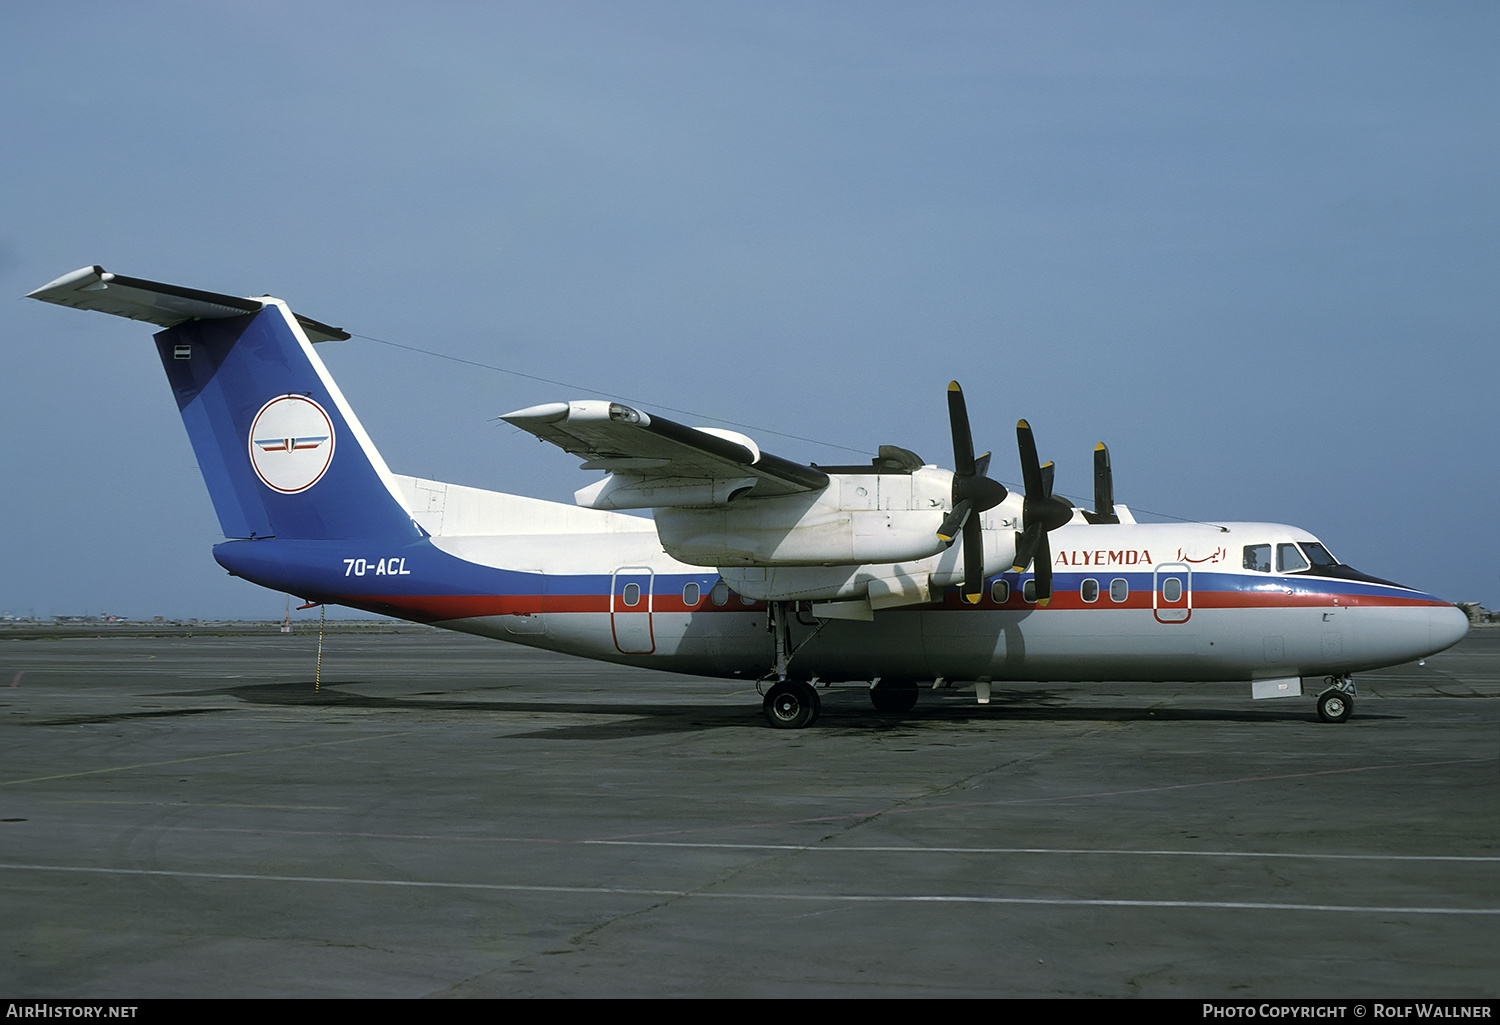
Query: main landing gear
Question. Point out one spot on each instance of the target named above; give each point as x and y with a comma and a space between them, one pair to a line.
1336, 703
791, 705
893, 696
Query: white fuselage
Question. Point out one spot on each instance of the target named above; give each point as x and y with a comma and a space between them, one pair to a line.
1130, 602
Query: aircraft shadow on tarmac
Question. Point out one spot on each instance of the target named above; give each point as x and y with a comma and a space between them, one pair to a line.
843, 708
118, 717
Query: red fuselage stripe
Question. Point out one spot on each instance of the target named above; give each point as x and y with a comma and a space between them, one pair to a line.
437, 607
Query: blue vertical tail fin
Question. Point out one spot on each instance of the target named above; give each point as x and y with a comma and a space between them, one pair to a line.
282, 453
280, 449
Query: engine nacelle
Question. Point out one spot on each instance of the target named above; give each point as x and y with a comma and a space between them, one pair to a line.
875, 586
859, 518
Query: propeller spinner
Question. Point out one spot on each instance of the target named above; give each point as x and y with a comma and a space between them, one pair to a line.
973, 493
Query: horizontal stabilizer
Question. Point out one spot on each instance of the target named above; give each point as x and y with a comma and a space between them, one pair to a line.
94, 288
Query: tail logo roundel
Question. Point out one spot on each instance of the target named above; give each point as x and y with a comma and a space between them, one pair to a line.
291, 443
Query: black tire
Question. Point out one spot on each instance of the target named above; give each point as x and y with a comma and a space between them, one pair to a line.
791, 705
894, 696
1335, 706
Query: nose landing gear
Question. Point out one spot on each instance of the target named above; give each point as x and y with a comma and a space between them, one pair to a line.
1336, 703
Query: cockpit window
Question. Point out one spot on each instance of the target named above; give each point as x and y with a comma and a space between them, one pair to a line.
1258, 558
1289, 559
1319, 556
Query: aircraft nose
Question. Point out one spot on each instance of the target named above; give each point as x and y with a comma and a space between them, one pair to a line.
1446, 626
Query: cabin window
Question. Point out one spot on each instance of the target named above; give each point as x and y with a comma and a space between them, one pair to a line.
1258, 558
691, 594
1028, 590
720, 593
1000, 592
632, 595
1119, 589
1171, 590
1289, 559
1090, 590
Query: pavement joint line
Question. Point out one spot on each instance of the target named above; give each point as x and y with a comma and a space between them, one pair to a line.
871, 898
817, 847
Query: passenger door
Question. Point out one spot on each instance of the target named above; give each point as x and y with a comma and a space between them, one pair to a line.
1172, 592
630, 610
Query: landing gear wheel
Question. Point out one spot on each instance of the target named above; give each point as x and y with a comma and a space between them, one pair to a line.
895, 696
1335, 706
791, 705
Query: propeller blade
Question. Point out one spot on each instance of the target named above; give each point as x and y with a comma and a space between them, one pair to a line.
1104, 481
1042, 569
955, 520
1031, 473
973, 561
1049, 469
982, 467
1104, 488
1026, 547
963, 441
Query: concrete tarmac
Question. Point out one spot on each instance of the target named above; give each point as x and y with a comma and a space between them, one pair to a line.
455, 817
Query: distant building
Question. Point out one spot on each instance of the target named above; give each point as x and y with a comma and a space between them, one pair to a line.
1477, 613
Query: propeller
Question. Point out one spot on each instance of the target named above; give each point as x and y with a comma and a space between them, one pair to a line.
973, 493
1104, 488
1041, 512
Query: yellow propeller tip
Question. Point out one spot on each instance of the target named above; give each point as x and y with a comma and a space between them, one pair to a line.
953, 386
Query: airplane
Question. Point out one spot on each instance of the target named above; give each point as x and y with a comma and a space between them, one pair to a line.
894, 575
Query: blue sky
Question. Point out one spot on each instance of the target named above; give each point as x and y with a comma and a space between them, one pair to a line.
1251, 246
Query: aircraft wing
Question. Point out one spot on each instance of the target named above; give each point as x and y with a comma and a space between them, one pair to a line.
655, 462
94, 288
